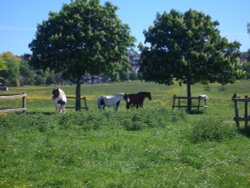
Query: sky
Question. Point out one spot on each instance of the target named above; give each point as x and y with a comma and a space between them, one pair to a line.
19, 18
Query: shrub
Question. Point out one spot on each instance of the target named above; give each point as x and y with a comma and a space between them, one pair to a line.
132, 120
211, 130
149, 118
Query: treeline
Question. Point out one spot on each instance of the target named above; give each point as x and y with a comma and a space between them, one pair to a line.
245, 58
17, 71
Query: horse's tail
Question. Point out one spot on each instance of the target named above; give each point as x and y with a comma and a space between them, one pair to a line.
99, 102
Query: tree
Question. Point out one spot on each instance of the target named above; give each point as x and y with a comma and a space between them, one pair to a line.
248, 31
248, 55
187, 48
2, 64
39, 80
246, 67
133, 75
50, 79
84, 37
3, 68
26, 74
10, 71
123, 75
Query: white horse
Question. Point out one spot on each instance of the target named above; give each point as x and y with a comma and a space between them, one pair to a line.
205, 98
113, 100
59, 98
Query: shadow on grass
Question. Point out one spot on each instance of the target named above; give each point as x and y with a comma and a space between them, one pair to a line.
34, 113
245, 131
197, 112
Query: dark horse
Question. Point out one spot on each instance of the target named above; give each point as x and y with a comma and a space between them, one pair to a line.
137, 99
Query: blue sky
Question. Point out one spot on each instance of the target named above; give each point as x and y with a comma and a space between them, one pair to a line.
19, 18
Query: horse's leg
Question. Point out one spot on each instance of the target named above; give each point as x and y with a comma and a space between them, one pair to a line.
63, 108
60, 108
141, 103
101, 105
57, 108
127, 105
117, 105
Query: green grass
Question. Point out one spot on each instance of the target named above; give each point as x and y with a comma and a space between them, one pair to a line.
151, 147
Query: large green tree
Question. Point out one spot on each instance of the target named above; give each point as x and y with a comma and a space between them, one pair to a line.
27, 75
248, 31
84, 37
9, 68
187, 48
3, 67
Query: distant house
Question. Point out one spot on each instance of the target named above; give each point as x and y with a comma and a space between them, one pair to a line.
243, 56
134, 62
93, 79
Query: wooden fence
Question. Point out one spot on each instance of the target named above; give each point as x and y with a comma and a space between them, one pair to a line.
4, 88
84, 102
245, 101
179, 103
22, 96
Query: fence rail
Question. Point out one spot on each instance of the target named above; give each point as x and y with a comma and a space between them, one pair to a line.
237, 117
84, 102
22, 96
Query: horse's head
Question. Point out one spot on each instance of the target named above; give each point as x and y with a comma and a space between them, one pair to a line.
126, 98
55, 93
149, 96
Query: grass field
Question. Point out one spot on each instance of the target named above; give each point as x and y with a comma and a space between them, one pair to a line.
151, 147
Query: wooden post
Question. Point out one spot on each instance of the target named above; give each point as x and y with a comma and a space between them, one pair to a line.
179, 103
199, 103
173, 105
24, 102
85, 103
236, 110
246, 111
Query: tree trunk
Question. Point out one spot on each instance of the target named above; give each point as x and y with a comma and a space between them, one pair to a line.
189, 101
78, 95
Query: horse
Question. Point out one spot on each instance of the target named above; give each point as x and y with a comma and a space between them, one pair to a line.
205, 98
113, 100
137, 99
59, 98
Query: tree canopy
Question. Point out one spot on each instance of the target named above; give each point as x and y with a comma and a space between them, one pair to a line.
187, 48
9, 69
84, 37
248, 31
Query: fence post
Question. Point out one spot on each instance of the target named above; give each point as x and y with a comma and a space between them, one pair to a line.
173, 105
236, 110
199, 103
246, 111
179, 103
85, 103
24, 102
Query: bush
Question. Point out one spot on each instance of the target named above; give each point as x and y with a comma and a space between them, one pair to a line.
149, 118
211, 130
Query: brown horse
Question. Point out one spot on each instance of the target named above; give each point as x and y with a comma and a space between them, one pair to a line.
137, 99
